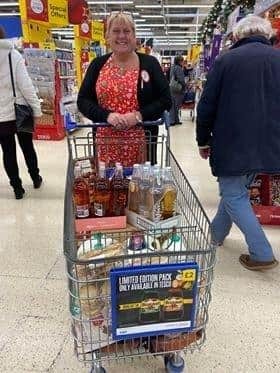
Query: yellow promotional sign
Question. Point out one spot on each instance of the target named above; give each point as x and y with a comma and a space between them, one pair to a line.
36, 33
97, 31
47, 45
58, 12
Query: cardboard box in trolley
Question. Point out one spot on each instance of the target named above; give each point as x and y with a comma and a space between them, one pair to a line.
140, 222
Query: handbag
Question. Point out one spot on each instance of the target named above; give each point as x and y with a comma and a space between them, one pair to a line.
24, 113
175, 86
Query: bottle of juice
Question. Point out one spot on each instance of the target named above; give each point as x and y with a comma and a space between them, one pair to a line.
169, 199
133, 194
80, 194
119, 190
101, 205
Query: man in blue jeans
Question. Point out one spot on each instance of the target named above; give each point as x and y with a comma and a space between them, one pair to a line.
238, 127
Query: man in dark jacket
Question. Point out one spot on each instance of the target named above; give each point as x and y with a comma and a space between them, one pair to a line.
238, 126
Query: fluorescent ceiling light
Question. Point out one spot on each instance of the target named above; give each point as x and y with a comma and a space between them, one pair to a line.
171, 25
183, 6
9, 14
185, 15
8, 4
173, 37
143, 29
152, 15
188, 6
180, 32
139, 20
109, 2
109, 12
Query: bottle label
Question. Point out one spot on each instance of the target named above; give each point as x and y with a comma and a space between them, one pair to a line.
98, 209
82, 211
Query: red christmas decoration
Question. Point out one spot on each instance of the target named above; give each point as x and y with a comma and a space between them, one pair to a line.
78, 11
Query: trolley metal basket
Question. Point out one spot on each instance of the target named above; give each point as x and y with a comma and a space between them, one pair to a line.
88, 279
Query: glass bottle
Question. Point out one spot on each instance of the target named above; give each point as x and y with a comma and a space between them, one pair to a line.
155, 195
169, 199
102, 193
133, 194
144, 187
91, 191
119, 192
80, 194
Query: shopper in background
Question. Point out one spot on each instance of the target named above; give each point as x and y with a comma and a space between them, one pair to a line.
238, 126
124, 88
177, 73
25, 94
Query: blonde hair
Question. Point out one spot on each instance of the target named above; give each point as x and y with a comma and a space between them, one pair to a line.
122, 17
252, 25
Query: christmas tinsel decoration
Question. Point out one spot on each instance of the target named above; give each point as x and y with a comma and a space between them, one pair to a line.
219, 16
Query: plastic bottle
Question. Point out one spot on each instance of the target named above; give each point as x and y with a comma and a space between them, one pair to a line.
102, 193
119, 190
80, 194
169, 199
133, 194
155, 195
144, 187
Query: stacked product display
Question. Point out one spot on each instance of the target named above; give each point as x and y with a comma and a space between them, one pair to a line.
265, 198
54, 77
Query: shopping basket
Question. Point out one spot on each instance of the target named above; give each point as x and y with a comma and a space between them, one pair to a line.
90, 279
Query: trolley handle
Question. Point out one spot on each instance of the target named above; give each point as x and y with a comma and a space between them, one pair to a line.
163, 120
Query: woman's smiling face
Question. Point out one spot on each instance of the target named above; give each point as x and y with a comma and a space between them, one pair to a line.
121, 37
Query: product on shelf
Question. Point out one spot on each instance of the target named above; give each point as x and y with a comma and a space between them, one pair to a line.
255, 192
275, 190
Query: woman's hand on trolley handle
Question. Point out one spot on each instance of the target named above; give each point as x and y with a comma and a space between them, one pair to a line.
124, 121
204, 151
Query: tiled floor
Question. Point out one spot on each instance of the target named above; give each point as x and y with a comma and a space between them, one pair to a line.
244, 326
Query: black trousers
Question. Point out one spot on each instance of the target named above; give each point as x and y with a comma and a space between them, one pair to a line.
8, 144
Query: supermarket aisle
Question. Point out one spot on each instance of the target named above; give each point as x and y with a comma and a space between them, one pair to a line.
243, 332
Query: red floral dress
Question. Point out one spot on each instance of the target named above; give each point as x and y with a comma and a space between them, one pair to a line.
117, 91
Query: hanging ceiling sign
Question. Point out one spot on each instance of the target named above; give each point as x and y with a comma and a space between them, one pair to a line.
37, 10
53, 12
58, 12
85, 29
262, 6
97, 31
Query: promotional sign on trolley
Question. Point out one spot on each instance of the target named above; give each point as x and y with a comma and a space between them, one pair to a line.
151, 299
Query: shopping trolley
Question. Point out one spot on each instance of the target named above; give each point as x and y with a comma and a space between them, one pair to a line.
90, 293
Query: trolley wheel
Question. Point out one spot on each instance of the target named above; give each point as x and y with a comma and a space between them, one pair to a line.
99, 370
172, 367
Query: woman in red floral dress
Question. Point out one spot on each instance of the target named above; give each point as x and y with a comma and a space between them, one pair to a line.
124, 88
117, 91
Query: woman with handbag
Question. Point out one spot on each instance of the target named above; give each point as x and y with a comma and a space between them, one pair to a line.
16, 87
177, 88
124, 88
